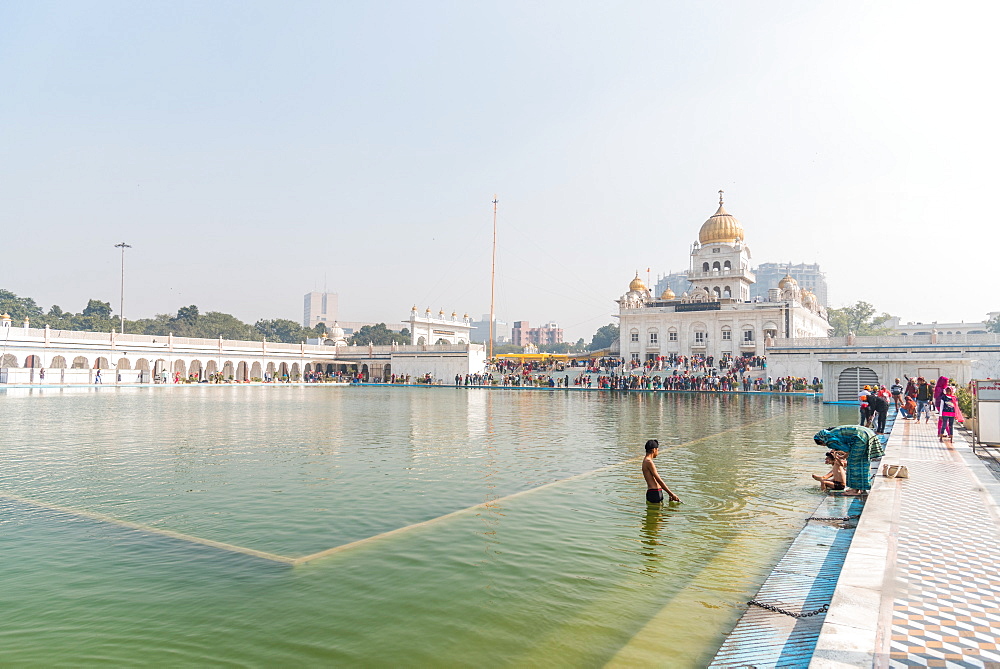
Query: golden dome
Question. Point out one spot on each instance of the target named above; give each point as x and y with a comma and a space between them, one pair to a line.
789, 280
668, 294
4, 316
720, 227
637, 283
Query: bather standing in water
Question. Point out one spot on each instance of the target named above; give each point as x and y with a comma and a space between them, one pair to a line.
655, 487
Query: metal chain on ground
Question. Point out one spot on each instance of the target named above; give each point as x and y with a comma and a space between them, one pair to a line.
769, 607
830, 517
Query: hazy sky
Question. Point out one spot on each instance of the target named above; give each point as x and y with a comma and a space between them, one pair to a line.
251, 152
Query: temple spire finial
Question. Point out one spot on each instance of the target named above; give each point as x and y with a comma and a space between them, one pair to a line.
720, 197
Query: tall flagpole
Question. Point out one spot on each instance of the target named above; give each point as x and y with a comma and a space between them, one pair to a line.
493, 276
121, 301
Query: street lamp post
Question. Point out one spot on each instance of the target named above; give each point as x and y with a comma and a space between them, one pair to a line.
121, 302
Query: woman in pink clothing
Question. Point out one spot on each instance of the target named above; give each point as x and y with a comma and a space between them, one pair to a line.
948, 406
939, 389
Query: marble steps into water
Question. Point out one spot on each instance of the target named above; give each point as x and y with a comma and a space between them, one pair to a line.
803, 581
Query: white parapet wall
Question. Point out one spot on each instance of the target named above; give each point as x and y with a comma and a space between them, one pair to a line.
44, 356
845, 363
441, 366
40, 377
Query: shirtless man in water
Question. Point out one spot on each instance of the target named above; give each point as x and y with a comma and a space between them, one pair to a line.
655, 487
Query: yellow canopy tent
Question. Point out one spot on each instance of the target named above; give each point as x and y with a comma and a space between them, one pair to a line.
533, 356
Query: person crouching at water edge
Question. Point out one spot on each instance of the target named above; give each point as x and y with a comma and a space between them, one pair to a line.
836, 478
861, 445
655, 487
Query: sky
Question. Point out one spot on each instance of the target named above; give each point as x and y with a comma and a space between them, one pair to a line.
253, 151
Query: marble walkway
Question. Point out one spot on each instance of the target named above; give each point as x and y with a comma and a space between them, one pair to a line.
921, 582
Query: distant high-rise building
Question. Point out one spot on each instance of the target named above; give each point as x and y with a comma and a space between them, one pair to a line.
675, 281
481, 330
319, 308
519, 333
807, 275
523, 334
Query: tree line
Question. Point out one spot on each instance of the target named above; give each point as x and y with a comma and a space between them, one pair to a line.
189, 321
860, 318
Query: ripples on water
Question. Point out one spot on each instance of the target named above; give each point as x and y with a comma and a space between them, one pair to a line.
565, 575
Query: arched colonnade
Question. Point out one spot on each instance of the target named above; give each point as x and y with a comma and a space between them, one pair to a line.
137, 368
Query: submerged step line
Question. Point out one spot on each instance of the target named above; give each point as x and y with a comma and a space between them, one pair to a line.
482, 505
180, 536
596, 608
312, 557
646, 645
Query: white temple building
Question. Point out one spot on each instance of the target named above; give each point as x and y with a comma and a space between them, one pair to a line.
428, 330
716, 316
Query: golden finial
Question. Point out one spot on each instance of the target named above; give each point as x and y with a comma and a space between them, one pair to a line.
720, 197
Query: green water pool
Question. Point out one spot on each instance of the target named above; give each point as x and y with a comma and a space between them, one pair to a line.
556, 560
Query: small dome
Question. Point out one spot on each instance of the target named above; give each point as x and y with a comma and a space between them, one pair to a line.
787, 282
720, 227
637, 284
4, 316
336, 332
465, 316
668, 294
441, 313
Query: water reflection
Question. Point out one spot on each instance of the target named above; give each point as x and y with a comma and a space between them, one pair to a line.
491, 513
653, 549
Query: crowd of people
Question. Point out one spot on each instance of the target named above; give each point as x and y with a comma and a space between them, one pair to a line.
918, 398
677, 364
687, 373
